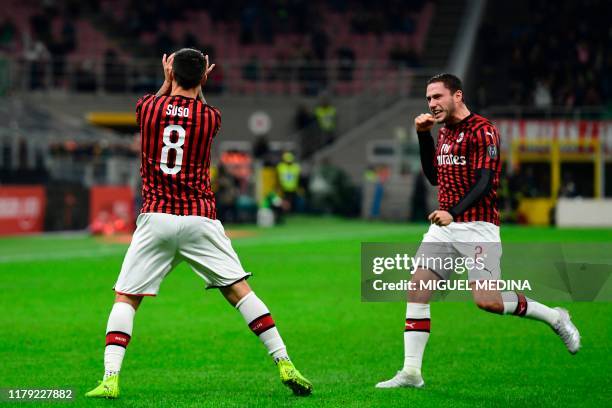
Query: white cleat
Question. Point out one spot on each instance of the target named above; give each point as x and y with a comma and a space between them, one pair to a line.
567, 331
410, 377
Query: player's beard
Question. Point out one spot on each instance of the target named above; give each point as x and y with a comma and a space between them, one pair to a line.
448, 112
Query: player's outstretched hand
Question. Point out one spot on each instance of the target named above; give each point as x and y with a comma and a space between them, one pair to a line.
207, 71
440, 217
424, 122
167, 64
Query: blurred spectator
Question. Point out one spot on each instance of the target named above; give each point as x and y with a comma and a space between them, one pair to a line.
266, 26
85, 78
40, 27
4, 81
568, 188
68, 36
330, 191
282, 68
143, 81
529, 184
8, 35
305, 124
319, 42
542, 97
403, 57
58, 50
191, 41
303, 117
402, 22
592, 96
36, 56
114, 72
250, 70
132, 20
226, 195
311, 75
288, 172
320, 188
164, 43
248, 20
261, 149
346, 63
327, 118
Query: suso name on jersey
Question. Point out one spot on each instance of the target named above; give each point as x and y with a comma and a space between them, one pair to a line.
172, 110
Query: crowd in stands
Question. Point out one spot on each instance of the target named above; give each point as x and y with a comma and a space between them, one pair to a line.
56, 46
555, 54
261, 22
278, 41
273, 41
552, 54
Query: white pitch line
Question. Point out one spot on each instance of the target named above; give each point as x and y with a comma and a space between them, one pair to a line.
59, 255
324, 236
238, 243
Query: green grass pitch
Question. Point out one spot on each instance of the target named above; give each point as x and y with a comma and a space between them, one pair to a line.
190, 348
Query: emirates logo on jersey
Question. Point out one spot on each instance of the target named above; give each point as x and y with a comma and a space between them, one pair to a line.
448, 158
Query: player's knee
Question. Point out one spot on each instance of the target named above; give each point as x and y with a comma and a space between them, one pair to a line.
235, 292
132, 300
490, 305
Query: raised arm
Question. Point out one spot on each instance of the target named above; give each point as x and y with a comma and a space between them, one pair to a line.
168, 76
424, 124
208, 69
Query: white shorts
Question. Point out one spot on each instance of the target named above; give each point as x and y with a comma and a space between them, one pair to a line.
473, 247
162, 241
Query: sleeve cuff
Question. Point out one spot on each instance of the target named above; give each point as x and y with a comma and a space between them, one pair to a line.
424, 134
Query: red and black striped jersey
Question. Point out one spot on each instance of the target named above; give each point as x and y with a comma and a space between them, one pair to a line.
462, 149
176, 137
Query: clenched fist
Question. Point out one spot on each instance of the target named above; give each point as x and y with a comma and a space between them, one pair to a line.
424, 122
440, 217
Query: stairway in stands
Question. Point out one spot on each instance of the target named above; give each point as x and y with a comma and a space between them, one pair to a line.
441, 37
349, 150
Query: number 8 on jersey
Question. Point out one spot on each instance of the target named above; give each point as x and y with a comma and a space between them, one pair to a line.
176, 146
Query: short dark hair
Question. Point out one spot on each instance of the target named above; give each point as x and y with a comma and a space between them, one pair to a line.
450, 81
188, 67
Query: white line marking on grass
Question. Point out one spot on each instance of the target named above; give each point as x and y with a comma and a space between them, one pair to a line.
327, 235
59, 255
359, 236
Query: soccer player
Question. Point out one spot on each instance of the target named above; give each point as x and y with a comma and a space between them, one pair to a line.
465, 165
178, 219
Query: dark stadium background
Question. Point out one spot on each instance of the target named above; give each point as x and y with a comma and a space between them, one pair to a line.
337, 84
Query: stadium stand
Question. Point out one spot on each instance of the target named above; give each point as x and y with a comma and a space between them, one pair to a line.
268, 49
553, 55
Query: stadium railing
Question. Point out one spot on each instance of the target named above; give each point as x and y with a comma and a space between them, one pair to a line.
234, 77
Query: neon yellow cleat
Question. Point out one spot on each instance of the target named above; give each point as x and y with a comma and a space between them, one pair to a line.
292, 378
108, 388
